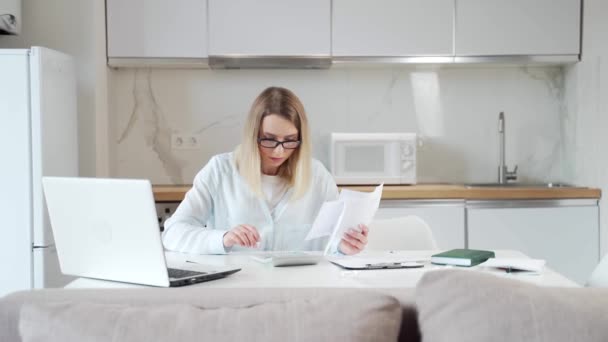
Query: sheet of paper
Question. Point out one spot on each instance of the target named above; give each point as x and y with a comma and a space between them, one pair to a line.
353, 194
359, 208
351, 209
327, 220
261, 258
521, 264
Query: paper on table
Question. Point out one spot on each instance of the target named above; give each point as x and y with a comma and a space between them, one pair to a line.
360, 262
516, 264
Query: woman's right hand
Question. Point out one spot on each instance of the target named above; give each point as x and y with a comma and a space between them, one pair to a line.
242, 235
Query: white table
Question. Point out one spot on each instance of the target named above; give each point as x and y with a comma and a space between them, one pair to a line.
325, 274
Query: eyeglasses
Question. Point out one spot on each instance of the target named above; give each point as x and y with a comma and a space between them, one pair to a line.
287, 144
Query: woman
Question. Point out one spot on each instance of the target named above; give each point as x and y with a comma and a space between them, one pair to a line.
265, 194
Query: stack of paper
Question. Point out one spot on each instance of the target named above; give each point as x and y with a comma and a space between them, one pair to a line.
516, 264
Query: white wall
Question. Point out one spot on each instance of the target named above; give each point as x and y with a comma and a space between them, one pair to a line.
68, 26
587, 103
455, 110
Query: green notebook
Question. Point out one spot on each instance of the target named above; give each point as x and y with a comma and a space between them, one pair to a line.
462, 257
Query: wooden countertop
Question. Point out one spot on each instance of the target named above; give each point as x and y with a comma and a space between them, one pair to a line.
175, 193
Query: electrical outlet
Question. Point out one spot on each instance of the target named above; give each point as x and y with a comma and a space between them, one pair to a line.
185, 141
164, 210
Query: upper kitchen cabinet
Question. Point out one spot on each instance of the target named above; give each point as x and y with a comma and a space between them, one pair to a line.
285, 28
139, 31
316, 33
517, 27
392, 28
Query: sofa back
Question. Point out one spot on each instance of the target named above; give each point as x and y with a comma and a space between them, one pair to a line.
155, 314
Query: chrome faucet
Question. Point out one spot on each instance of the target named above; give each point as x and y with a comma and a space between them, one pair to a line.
504, 174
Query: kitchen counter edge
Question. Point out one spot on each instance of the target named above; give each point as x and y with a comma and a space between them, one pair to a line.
176, 193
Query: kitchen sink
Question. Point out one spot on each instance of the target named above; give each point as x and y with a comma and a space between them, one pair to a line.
520, 185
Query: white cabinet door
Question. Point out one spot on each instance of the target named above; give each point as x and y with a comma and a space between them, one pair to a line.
392, 28
445, 217
157, 28
269, 27
567, 237
517, 27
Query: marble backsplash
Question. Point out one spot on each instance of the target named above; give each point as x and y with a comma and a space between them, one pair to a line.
454, 110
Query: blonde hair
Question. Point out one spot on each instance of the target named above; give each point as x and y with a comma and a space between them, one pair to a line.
297, 169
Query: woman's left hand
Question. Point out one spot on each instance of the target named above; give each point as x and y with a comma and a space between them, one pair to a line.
354, 240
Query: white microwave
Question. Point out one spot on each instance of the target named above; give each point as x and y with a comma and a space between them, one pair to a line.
373, 158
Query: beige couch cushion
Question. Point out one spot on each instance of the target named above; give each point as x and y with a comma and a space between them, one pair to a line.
362, 316
457, 305
198, 296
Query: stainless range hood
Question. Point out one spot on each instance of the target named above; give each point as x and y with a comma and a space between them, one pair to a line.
224, 62
269, 62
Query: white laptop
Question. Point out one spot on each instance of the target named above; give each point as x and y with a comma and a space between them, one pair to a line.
108, 229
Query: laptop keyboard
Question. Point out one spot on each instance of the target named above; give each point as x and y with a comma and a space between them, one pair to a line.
177, 273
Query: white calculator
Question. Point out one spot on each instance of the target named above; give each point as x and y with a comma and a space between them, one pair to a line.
280, 259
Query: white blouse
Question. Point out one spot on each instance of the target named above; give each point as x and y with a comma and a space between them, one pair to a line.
220, 200
274, 188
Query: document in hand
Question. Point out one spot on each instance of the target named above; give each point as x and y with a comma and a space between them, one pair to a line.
462, 257
349, 210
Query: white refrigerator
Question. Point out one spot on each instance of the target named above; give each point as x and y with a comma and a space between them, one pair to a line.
38, 137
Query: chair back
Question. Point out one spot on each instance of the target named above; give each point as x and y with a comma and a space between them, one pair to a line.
400, 233
599, 276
